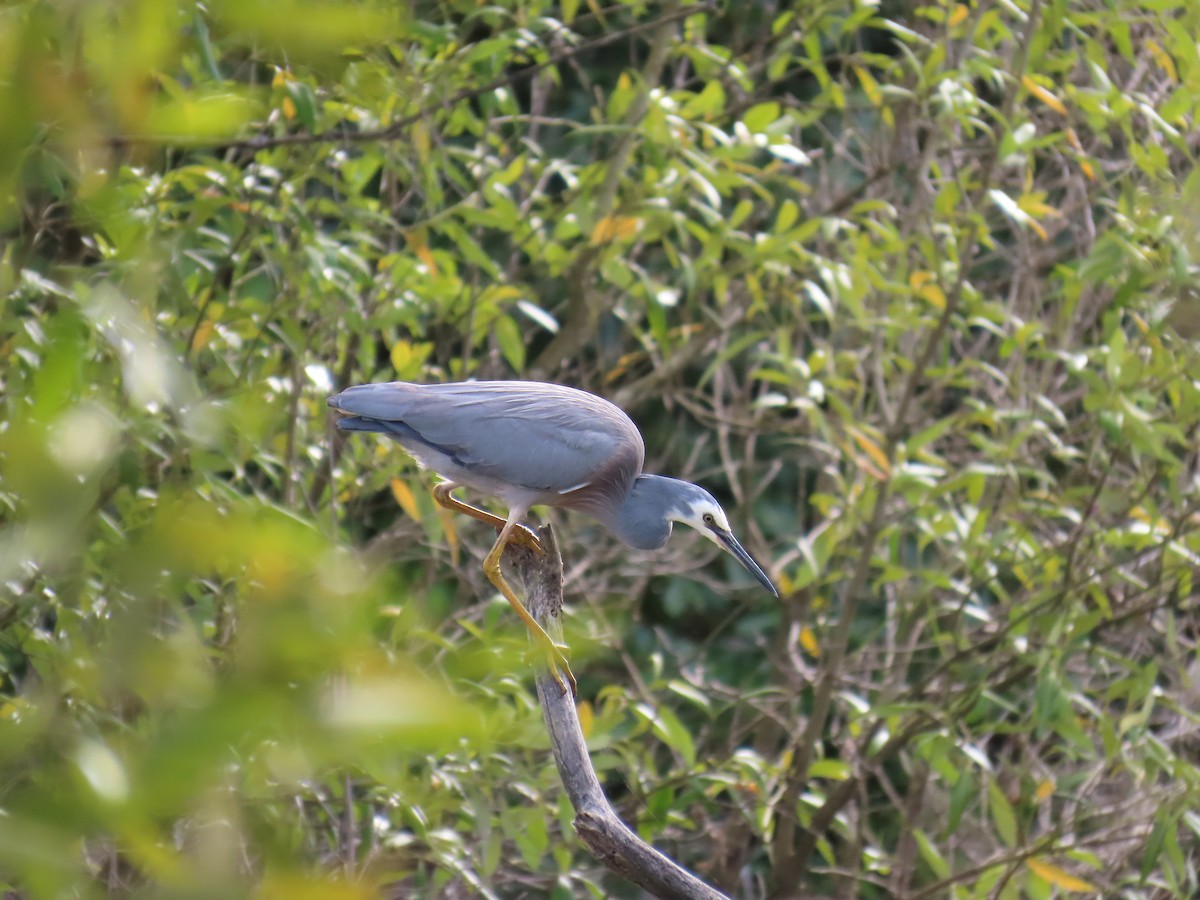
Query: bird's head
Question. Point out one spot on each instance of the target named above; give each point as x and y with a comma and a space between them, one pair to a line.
698, 508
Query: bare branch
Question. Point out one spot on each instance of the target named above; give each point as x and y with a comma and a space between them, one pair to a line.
607, 838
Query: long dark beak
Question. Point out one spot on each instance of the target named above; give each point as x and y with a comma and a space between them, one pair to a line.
730, 543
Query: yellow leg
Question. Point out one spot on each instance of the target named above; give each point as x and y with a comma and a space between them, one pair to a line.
520, 534
554, 652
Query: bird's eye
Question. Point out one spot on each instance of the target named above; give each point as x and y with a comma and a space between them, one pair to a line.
708, 519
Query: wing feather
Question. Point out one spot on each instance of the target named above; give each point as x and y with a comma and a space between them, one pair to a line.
540, 436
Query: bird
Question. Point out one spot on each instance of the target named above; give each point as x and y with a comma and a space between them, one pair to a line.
528, 444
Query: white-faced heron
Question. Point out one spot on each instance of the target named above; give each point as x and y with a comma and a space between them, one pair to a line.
533, 444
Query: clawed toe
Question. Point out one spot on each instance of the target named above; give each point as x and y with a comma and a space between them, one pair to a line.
526, 538
560, 669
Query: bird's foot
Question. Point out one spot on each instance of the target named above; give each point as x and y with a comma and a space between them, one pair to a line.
523, 535
560, 670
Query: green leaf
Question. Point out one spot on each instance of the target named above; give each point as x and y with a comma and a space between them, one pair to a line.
667, 727
834, 769
761, 116
930, 854
512, 344
531, 836
1002, 815
965, 790
789, 212
707, 104
1165, 822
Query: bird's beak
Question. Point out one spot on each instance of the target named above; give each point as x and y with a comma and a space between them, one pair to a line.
730, 543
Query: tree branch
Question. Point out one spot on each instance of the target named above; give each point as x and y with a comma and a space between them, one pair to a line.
603, 833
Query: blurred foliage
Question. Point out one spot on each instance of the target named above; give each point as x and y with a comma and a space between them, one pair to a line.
912, 287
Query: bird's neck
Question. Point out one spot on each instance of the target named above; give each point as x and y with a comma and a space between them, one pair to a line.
643, 520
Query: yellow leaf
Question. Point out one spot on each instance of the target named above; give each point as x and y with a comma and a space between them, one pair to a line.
958, 15
1073, 140
1057, 877
612, 227
416, 242
869, 85
421, 140
872, 450
402, 355
1163, 58
426, 256
404, 496
203, 334
1037, 207
289, 108
922, 284
808, 641
1088, 171
1045, 789
451, 533
1044, 95
1038, 229
934, 294
12, 709
584, 710
282, 77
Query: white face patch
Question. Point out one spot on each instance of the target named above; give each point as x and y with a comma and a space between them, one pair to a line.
704, 516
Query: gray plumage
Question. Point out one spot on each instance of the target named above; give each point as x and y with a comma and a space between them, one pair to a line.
529, 444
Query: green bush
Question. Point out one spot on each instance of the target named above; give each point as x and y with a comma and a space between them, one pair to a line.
910, 288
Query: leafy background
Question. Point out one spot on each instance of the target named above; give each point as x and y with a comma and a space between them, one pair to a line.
911, 287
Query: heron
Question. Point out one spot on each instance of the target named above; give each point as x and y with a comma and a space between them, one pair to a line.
535, 444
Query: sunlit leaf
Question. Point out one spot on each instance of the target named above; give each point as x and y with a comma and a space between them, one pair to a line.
1058, 877
869, 85
419, 245
406, 500
612, 228
1164, 60
203, 334
1043, 94
808, 640
872, 449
